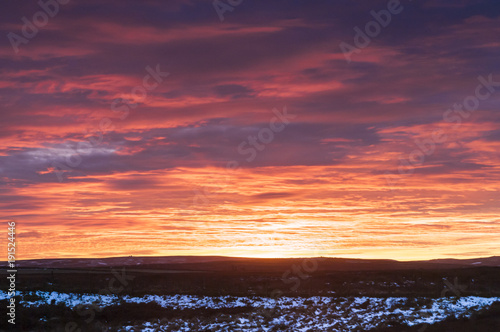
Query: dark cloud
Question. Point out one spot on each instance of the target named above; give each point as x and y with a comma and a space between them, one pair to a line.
32, 234
233, 90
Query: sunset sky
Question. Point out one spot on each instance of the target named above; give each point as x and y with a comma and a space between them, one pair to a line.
178, 128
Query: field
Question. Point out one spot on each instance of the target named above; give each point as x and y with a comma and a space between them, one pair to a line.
222, 294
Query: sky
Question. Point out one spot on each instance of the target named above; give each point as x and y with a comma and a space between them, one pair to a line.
349, 128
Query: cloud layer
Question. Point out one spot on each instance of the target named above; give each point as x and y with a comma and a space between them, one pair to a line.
103, 153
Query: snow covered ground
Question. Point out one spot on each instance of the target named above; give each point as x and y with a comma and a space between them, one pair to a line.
297, 313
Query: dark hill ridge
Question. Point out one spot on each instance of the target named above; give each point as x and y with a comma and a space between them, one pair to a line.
216, 276
221, 263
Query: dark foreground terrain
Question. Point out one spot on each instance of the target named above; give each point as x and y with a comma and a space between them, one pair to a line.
233, 294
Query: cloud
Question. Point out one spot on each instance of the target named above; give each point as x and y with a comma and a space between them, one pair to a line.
163, 166
32, 234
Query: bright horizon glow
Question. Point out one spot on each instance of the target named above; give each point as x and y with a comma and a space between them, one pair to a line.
270, 256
